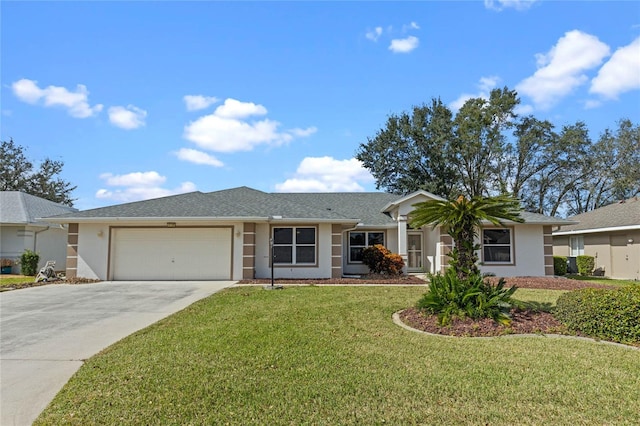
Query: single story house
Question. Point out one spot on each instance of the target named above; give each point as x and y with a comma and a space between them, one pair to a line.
21, 228
230, 235
611, 234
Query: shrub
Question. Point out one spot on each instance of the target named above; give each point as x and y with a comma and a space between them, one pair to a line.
449, 297
381, 261
29, 262
611, 314
559, 265
585, 264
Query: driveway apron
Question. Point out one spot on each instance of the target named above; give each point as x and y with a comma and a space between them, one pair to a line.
47, 332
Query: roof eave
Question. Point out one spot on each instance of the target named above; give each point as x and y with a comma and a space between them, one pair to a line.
269, 219
597, 230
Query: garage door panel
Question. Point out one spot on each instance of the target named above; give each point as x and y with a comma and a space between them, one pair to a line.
172, 253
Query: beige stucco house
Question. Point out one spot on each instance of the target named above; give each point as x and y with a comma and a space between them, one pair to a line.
230, 235
611, 234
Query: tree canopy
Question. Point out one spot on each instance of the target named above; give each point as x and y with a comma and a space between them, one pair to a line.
486, 149
17, 173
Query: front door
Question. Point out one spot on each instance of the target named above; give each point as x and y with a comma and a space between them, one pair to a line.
414, 251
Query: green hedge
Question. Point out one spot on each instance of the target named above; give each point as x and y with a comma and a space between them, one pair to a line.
586, 264
559, 265
29, 262
610, 314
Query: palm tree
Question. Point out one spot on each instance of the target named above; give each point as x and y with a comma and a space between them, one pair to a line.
462, 219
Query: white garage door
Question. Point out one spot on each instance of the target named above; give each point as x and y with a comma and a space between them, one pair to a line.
171, 254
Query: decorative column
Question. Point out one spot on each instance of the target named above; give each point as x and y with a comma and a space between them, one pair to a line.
402, 240
72, 251
249, 251
336, 251
548, 250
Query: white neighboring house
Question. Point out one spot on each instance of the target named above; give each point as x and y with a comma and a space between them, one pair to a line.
230, 235
21, 228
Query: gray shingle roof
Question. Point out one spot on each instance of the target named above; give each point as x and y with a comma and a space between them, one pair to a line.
624, 213
19, 208
365, 207
244, 202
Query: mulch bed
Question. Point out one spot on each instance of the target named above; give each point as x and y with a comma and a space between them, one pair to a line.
27, 284
363, 280
522, 322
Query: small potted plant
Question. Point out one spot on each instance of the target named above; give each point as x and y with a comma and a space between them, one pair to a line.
5, 266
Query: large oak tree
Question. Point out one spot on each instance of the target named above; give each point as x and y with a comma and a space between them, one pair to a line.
17, 173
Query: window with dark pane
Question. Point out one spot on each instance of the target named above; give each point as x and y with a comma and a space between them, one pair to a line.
496, 245
359, 240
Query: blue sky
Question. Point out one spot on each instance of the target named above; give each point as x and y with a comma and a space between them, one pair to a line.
146, 99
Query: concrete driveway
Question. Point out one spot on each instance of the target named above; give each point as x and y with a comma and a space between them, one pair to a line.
47, 332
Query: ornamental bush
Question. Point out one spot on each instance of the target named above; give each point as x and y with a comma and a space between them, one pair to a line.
586, 264
29, 262
450, 296
381, 261
610, 314
559, 265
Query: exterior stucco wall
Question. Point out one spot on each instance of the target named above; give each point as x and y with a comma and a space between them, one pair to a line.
323, 246
616, 252
561, 246
12, 244
49, 242
528, 241
93, 251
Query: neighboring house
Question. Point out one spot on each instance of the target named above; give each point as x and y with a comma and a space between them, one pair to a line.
228, 234
22, 228
611, 234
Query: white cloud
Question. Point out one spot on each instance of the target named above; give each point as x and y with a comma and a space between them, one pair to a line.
499, 5
374, 34
411, 26
326, 174
485, 86
198, 157
620, 74
229, 129
197, 102
129, 117
236, 109
139, 186
134, 179
76, 103
404, 45
562, 69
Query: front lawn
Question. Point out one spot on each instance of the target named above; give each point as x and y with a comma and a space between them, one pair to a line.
332, 355
602, 280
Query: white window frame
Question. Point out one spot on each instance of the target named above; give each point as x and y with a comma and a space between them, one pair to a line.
366, 242
510, 245
576, 245
294, 245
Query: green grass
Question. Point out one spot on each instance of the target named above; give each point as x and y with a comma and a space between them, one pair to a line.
15, 279
332, 355
602, 280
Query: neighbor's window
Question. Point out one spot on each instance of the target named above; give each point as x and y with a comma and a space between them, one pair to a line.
359, 240
294, 245
576, 246
497, 246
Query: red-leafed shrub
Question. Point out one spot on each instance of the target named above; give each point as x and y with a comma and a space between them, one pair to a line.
381, 261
